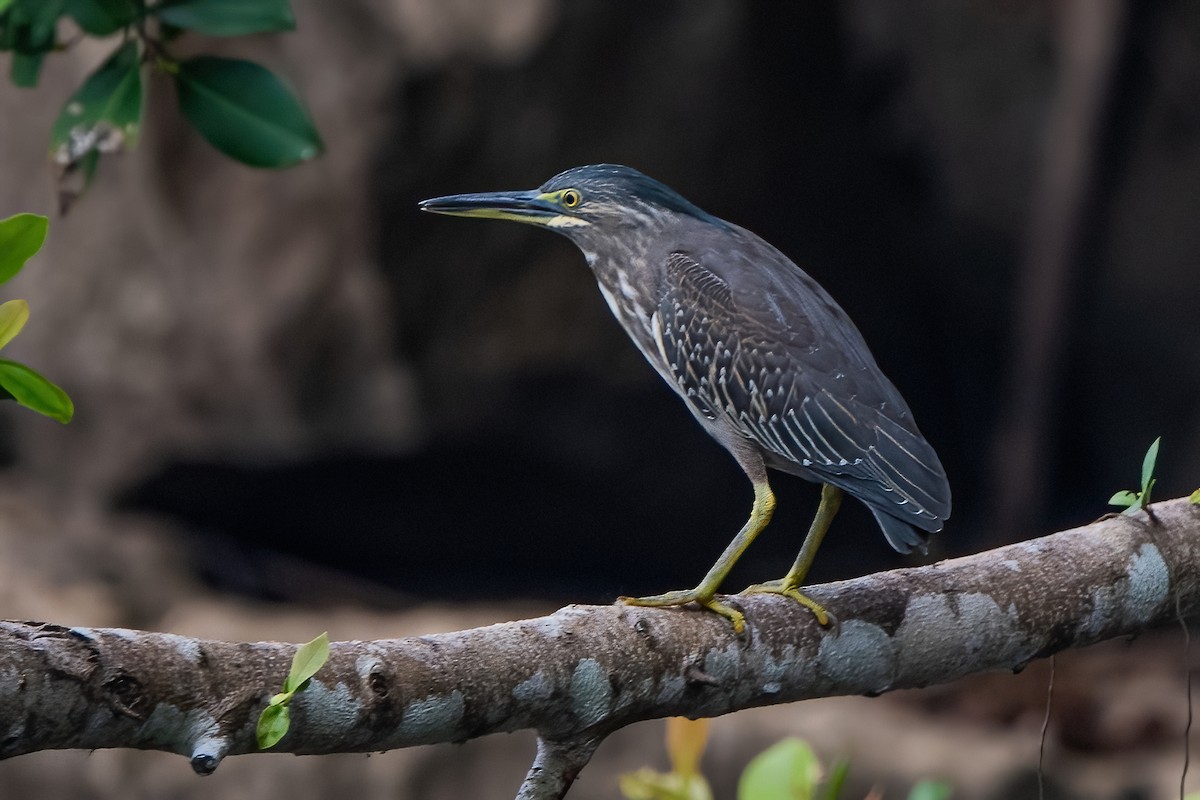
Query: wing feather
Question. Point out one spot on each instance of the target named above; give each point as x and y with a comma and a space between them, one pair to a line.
799, 382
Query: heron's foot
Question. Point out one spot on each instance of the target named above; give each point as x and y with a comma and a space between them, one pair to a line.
789, 589
690, 596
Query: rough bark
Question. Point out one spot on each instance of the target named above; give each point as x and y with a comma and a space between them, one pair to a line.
581, 673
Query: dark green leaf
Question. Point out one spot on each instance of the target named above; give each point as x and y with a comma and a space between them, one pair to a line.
103, 116
786, 771
273, 724
308, 659
229, 17
25, 69
105, 112
246, 112
21, 236
1148, 463
102, 17
29, 32
35, 392
1123, 498
13, 316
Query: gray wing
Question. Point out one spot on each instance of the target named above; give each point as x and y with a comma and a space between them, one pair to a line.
792, 374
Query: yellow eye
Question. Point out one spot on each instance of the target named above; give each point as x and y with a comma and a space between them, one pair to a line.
571, 198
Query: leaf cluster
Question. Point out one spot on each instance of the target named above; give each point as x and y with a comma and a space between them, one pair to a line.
275, 719
21, 236
241, 108
1134, 501
788, 770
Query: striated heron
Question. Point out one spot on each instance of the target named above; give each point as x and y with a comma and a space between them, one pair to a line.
765, 359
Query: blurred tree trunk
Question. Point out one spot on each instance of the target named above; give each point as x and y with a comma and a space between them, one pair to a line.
1089, 37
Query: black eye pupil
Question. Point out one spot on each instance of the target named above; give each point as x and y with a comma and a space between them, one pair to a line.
571, 199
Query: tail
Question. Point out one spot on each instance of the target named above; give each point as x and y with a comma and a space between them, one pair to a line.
903, 537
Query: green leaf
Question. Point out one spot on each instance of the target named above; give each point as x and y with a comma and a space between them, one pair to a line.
35, 392
646, 784
4, 4
21, 236
13, 316
1123, 498
931, 790
837, 779
1148, 464
25, 69
102, 17
103, 116
1195, 498
246, 112
273, 724
308, 659
281, 699
229, 17
30, 32
105, 112
786, 771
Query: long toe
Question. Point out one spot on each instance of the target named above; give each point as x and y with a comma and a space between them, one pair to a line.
679, 598
787, 589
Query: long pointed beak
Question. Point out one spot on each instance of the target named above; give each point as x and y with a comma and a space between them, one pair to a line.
530, 207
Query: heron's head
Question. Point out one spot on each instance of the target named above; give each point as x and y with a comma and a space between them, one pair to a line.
586, 204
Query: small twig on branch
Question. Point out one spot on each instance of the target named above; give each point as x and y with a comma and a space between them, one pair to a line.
585, 671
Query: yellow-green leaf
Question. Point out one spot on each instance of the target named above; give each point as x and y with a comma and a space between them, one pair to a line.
33, 391
21, 235
646, 784
273, 725
13, 316
1123, 498
788, 770
1195, 498
308, 659
1148, 463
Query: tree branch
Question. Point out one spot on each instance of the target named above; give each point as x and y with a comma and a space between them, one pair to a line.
585, 671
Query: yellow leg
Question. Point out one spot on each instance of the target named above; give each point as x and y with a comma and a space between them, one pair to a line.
760, 515
831, 500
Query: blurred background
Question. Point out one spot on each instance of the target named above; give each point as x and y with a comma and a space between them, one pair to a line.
302, 405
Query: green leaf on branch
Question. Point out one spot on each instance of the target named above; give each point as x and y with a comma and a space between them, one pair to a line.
228, 17
308, 659
1195, 498
29, 32
103, 116
102, 17
33, 391
246, 112
25, 69
21, 236
275, 718
273, 725
1136, 501
1123, 498
13, 316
